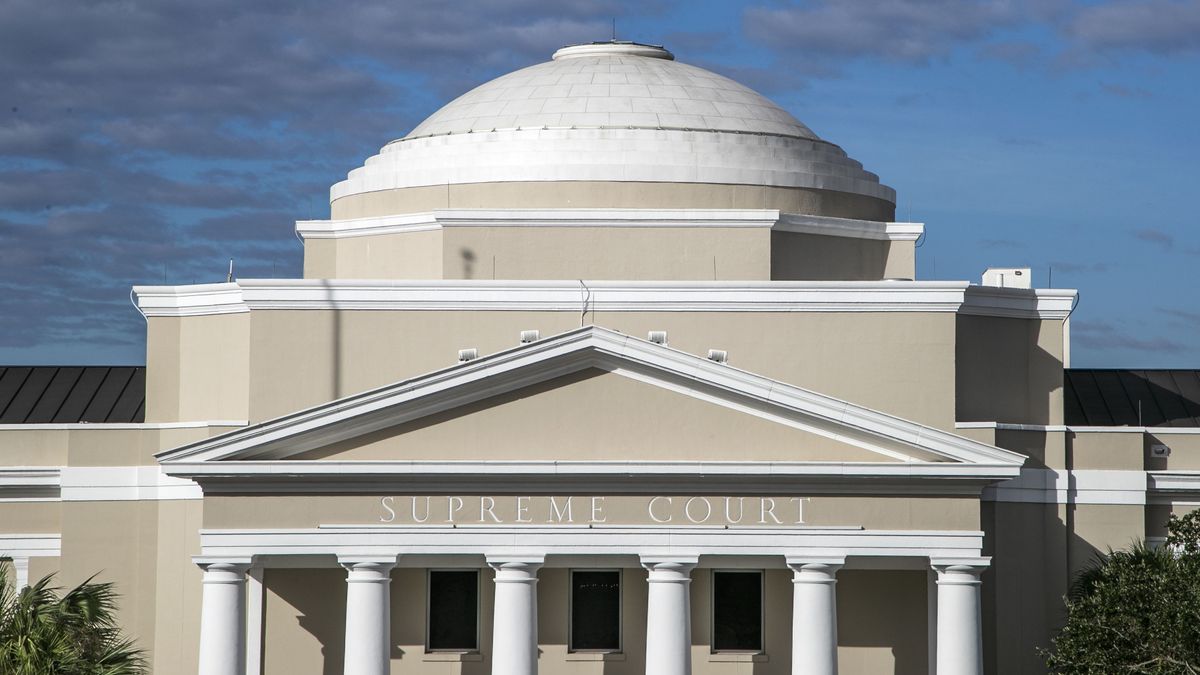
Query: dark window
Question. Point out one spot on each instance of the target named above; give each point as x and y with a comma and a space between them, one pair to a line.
595, 610
453, 610
737, 611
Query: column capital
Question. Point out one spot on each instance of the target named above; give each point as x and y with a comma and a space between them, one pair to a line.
515, 561
834, 561
354, 560
238, 564
959, 567
655, 563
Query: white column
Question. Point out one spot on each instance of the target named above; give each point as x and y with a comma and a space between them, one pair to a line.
669, 616
959, 622
368, 614
814, 614
223, 616
514, 624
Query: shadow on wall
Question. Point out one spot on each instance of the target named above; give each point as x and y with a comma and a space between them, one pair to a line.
314, 600
1034, 554
1002, 373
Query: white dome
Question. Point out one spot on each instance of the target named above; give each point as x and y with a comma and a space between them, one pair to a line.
606, 85
612, 112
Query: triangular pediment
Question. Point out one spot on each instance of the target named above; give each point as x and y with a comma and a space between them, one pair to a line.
591, 395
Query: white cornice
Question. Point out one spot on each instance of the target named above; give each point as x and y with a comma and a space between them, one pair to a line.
603, 296
1005, 426
596, 540
1172, 486
192, 300
30, 545
24, 483
619, 218
1045, 303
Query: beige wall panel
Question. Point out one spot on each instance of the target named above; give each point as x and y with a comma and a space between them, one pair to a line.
320, 258
304, 615
882, 622
41, 567
178, 588
1024, 586
33, 447
30, 517
596, 194
901, 363
811, 257
412, 255
593, 415
1100, 450
280, 340
287, 511
214, 365
116, 542
197, 368
901, 261
1100, 527
643, 253
1009, 370
162, 368
1185, 450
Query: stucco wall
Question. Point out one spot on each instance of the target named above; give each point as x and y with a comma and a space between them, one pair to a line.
1009, 370
901, 363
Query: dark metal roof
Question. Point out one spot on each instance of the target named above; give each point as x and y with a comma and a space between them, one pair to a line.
62, 394
1150, 398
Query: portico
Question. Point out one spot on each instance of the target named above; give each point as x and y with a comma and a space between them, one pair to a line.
813, 555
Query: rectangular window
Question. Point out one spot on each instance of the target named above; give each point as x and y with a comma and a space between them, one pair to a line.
596, 610
737, 611
453, 610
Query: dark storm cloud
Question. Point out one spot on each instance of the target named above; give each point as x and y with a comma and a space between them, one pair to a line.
150, 142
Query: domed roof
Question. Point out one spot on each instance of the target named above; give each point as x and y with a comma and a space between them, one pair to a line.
614, 112
621, 85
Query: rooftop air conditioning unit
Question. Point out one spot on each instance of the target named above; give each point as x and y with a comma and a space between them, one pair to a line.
658, 337
1008, 277
465, 355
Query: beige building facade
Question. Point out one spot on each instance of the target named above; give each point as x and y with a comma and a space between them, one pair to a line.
610, 366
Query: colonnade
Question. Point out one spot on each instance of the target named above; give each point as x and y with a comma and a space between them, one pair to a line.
668, 620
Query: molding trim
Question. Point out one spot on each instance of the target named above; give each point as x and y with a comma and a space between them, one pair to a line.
1004, 426
30, 545
29, 484
645, 541
93, 484
610, 218
605, 296
1081, 486
1168, 487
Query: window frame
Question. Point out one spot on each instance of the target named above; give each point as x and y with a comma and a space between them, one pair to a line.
620, 611
762, 611
429, 572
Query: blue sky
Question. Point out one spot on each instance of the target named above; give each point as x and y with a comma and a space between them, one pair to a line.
149, 143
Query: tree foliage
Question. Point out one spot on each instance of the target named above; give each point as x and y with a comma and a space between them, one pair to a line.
1136, 612
76, 633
